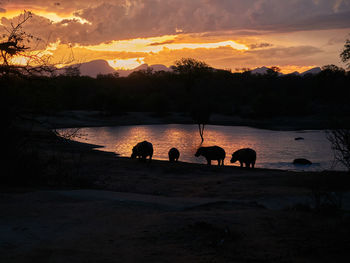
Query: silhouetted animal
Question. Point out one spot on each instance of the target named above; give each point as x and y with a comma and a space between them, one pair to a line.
142, 150
174, 155
245, 156
298, 138
302, 161
212, 153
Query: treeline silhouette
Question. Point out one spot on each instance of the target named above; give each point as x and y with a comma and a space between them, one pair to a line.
242, 94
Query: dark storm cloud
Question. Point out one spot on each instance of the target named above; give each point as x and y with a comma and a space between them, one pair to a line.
127, 19
162, 43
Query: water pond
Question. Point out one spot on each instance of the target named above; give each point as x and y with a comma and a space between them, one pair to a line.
275, 149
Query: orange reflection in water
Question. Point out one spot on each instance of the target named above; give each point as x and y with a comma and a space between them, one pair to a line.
162, 140
275, 149
184, 137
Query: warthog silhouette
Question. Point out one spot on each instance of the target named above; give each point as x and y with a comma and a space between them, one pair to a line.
212, 153
174, 155
142, 150
245, 156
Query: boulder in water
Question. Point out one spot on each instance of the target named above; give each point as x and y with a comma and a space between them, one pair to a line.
302, 161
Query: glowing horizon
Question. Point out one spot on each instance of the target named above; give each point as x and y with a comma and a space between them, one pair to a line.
125, 64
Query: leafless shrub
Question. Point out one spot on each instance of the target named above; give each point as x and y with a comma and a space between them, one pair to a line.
15, 42
340, 141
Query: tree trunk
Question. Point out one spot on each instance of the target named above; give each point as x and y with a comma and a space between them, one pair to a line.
201, 130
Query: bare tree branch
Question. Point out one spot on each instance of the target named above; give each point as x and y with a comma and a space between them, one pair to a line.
340, 140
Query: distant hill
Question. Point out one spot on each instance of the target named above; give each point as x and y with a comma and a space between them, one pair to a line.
156, 67
295, 73
127, 72
312, 71
95, 67
91, 68
263, 70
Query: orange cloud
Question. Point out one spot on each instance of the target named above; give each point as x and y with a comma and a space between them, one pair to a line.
225, 34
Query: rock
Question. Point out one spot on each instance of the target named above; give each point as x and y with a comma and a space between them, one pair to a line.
302, 161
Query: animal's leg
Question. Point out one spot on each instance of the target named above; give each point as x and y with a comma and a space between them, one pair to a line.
241, 163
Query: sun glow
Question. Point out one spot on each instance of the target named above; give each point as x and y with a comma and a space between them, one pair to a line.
156, 44
125, 63
19, 60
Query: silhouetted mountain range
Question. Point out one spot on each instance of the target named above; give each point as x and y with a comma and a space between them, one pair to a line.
312, 71
95, 67
263, 70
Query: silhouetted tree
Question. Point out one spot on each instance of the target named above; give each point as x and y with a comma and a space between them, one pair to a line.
331, 72
142, 73
12, 43
273, 71
201, 115
332, 69
114, 75
191, 69
15, 42
72, 71
191, 66
345, 54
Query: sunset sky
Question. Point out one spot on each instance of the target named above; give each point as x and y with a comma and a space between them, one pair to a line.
228, 34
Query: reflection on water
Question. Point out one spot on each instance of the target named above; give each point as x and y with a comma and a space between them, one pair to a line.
275, 149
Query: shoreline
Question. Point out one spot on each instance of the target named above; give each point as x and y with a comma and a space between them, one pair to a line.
79, 119
83, 119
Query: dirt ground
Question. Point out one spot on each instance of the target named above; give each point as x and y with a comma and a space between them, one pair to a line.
123, 210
